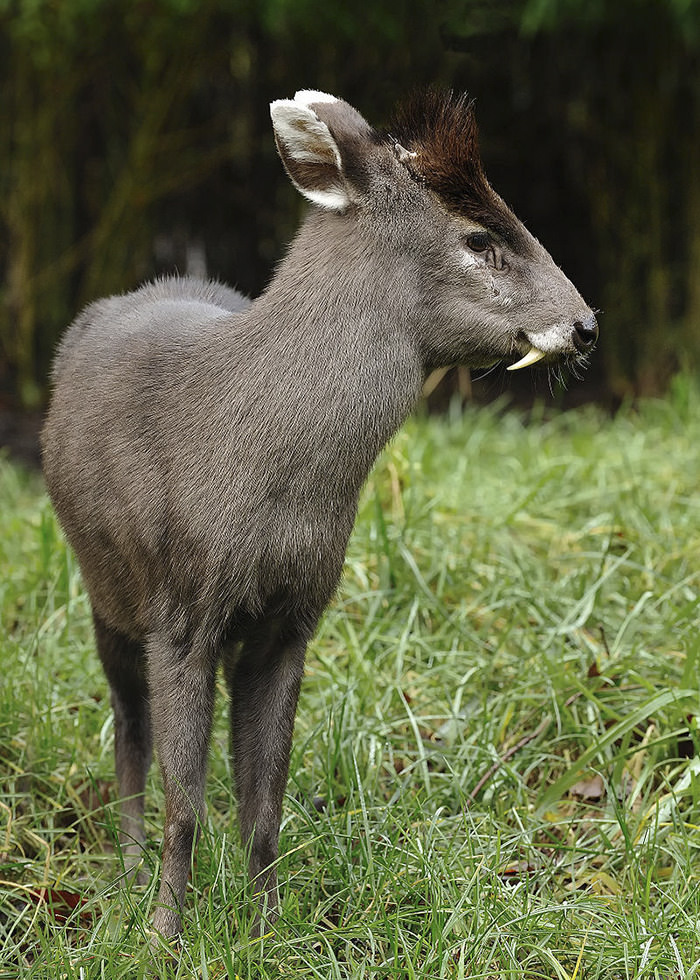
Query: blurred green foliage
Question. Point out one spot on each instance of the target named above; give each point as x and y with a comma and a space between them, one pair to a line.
136, 140
552, 14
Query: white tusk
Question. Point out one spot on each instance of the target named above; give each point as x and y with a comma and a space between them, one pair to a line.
532, 357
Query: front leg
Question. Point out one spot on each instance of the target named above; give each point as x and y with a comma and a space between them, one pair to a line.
263, 681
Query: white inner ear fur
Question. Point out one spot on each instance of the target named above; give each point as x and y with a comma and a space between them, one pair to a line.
332, 200
308, 140
305, 137
308, 96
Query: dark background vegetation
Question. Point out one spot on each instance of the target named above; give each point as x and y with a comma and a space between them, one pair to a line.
135, 139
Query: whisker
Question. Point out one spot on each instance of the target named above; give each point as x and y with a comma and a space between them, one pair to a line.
486, 372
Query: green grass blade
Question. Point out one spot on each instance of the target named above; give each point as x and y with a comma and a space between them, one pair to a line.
636, 717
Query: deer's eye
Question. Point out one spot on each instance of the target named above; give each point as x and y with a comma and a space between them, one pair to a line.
478, 241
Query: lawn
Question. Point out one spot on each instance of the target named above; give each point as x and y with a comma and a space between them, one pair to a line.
495, 768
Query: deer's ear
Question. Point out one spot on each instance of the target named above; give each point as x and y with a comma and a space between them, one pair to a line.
309, 153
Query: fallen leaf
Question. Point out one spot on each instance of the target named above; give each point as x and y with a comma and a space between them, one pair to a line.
589, 789
60, 903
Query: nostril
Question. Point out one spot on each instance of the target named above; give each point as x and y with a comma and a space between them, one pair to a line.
585, 333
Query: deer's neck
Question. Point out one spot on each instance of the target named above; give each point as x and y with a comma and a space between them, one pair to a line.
340, 327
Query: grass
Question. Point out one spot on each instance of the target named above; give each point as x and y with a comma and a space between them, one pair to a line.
495, 768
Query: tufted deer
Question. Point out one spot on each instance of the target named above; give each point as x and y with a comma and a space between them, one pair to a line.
205, 455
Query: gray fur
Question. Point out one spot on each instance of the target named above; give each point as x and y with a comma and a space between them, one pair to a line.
205, 457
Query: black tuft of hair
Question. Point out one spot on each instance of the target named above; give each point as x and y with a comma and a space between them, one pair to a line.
440, 129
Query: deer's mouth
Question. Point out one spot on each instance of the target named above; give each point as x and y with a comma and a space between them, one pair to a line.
559, 341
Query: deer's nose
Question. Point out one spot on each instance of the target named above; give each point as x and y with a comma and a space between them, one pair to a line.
585, 333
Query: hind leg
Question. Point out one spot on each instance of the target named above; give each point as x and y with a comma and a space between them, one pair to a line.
124, 664
183, 683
